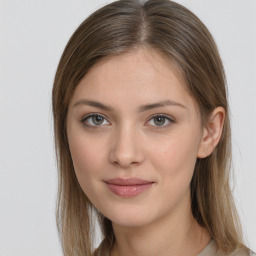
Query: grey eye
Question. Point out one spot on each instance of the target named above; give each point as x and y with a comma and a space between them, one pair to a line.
96, 120
159, 120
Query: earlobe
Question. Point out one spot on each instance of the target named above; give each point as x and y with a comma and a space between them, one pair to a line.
211, 132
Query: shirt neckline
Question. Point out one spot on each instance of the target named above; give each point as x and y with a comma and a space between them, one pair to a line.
210, 249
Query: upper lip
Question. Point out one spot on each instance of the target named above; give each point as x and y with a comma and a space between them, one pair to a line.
128, 181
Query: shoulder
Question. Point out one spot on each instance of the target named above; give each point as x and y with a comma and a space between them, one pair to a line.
243, 253
252, 253
211, 250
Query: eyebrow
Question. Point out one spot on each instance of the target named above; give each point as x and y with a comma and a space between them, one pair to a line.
141, 108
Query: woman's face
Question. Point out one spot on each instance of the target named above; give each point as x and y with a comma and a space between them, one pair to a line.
125, 140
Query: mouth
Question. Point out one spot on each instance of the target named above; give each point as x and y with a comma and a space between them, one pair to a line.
128, 187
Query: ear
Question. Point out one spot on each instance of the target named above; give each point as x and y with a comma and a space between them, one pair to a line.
211, 132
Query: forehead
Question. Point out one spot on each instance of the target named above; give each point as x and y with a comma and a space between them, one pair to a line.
134, 78
142, 63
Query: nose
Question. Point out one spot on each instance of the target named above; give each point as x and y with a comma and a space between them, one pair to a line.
126, 148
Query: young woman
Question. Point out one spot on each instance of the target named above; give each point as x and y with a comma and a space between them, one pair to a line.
142, 136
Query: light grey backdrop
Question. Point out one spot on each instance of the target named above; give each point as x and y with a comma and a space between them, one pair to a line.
33, 35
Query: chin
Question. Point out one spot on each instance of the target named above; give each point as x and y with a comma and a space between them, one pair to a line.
131, 217
129, 222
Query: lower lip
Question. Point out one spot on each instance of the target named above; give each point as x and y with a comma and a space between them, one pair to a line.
128, 191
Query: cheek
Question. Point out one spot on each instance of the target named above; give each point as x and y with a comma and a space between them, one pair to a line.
86, 155
176, 150
174, 161
175, 158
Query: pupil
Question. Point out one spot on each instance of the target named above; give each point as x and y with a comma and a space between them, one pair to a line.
159, 119
98, 119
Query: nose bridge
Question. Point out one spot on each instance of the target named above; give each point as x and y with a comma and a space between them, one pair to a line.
126, 147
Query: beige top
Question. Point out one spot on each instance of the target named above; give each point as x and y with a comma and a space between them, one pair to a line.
209, 250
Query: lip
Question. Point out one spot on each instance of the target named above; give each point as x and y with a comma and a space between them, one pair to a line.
129, 187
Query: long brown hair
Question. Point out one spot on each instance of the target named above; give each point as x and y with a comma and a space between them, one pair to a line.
178, 35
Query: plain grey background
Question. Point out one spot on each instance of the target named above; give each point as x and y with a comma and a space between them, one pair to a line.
33, 35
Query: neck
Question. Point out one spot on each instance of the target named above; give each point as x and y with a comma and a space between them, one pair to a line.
172, 235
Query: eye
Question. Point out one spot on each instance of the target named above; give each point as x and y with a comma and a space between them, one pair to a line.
160, 120
97, 120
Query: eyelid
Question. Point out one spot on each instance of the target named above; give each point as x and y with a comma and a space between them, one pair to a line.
167, 117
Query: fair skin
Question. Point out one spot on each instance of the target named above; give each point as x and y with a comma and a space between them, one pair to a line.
126, 143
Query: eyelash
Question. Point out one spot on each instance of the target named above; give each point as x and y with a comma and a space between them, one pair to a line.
99, 126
